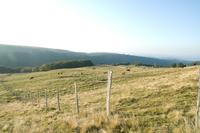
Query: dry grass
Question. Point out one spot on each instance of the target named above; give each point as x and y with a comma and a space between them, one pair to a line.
155, 100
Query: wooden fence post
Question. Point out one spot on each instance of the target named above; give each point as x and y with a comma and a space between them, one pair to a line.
198, 104
109, 85
38, 97
29, 93
27, 96
58, 99
31, 97
24, 97
46, 102
76, 98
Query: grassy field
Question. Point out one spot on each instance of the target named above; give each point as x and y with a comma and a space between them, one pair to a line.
155, 100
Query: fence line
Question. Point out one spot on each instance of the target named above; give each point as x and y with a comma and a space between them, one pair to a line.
35, 96
30, 97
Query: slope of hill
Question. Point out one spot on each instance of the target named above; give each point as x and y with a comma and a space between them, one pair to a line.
14, 56
143, 100
20, 56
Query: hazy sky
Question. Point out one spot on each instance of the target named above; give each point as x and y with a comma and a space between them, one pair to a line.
162, 28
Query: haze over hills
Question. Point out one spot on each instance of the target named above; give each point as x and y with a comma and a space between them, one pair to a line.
20, 56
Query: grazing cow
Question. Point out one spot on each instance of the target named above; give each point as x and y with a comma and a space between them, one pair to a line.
60, 73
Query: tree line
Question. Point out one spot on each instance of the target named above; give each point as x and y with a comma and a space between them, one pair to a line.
174, 65
81, 63
48, 67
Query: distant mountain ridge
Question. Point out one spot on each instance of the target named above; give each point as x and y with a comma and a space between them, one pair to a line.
21, 56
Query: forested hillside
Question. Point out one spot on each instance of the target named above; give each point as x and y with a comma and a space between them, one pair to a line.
21, 56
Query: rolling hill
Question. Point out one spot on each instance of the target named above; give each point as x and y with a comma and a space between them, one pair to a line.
143, 100
21, 56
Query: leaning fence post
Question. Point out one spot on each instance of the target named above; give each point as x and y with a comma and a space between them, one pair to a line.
198, 104
46, 102
76, 98
58, 99
109, 85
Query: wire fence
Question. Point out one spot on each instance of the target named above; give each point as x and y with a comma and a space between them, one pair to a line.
69, 99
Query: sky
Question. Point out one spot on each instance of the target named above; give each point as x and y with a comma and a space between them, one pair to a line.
156, 28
